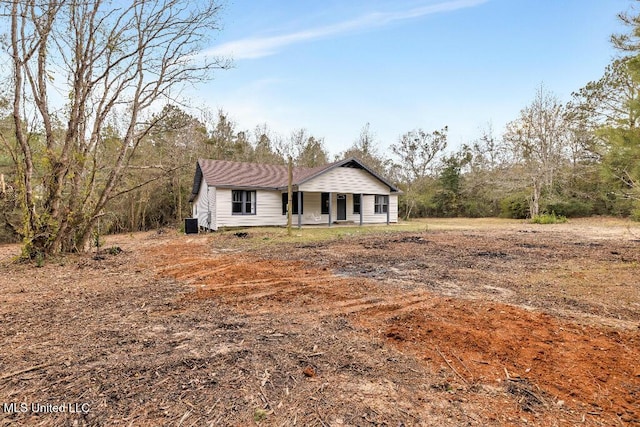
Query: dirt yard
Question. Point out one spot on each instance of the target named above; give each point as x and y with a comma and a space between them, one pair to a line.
465, 322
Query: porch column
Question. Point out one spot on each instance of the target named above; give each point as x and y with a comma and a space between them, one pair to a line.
361, 207
330, 207
388, 209
300, 209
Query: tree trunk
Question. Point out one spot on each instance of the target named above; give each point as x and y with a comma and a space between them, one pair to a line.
409, 209
534, 206
132, 213
290, 196
179, 200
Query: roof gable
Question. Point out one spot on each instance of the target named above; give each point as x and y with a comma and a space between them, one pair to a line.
351, 162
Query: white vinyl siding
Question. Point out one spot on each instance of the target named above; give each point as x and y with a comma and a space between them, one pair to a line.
311, 204
354, 217
368, 211
393, 208
346, 180
268, 210
204, 206
312, 214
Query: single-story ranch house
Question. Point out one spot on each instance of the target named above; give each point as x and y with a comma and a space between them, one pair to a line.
233, 194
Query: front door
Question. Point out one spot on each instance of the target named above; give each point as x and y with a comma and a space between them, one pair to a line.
342, 207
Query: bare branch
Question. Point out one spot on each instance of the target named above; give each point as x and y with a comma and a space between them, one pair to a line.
108, 61
147, 182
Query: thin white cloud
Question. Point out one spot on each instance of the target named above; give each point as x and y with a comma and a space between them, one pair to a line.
258, 47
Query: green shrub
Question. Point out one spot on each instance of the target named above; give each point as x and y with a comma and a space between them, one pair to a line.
259, 415
39, 259
551, 218
115, 250
571, 208
515, 206
445, 203
479, 209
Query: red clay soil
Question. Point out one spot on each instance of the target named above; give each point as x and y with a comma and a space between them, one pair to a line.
593, 371
548, 370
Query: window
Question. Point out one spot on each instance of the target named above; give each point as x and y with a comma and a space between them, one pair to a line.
325, 204
294, 211
243, 202
381, 204
356, 203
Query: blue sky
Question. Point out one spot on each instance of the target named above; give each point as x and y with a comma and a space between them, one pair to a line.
333, 66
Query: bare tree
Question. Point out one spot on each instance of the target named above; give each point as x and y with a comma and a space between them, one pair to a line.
487, 172
305, 149
312, 153
224, 139
416, 150
365, 148
538, 138
263, 146
112, 63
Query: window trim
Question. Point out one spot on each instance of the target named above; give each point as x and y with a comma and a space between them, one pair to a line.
325, 203
381, 204
294, 198
243, 202
359, 204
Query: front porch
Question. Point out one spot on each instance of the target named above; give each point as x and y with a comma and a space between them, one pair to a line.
334, 208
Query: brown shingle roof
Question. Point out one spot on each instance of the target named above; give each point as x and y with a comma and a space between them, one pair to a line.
223, 173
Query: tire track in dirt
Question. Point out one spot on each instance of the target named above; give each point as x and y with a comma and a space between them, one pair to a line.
553, 368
